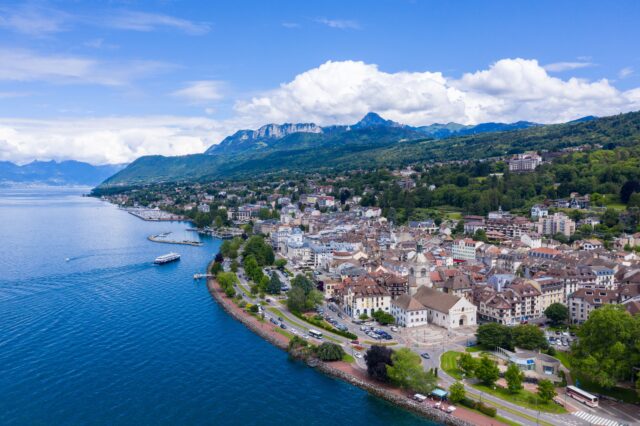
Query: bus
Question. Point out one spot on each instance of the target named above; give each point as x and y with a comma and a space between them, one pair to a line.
315, 333
582, 396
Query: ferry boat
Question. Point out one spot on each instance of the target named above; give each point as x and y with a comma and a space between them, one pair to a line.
166, 258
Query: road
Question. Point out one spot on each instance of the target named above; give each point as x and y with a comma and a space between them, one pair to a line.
506, 409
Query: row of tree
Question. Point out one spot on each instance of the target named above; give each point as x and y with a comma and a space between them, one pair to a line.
526, 336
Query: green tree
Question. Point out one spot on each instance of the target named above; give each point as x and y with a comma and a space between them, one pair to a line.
467, 364
280, 263
296, 300
529, 336
546, 390
557, 313
457, 392
383, 318
607, 351
329, 352
275, 284
514, 378
493, 335
407, 372
487, 371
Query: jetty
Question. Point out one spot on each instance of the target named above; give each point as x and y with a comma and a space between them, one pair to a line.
161, 238
153, 215
201, 276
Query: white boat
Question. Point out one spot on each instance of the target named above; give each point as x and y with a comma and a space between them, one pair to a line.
166, 258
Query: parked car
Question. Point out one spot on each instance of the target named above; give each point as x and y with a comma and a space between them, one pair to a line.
283, 326
280, 319
357, 354
394, 329
425, 355
273, 320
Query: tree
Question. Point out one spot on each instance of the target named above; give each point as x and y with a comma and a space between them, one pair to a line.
303, 282
383, 318
606, 351
528, 336
627, 189
296, 299
514, 378
219, 257
546, 390
280, 263
467, 364
557, 313
493, 335
407, 372
274, 285
329, 352
377, 359
262, 251
487, 371
457, 392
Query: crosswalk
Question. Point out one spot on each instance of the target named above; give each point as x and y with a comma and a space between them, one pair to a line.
595, 420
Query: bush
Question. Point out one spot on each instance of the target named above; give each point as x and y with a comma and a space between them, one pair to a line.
329, 352
468, 402
486, 409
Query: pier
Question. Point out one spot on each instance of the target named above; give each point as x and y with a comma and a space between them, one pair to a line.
160, 238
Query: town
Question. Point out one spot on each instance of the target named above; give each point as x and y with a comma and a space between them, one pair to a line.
518, 285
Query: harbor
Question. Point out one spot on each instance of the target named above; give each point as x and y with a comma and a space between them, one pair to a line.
153, 215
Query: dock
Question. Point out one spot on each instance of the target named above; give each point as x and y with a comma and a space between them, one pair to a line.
160, 239
201, 276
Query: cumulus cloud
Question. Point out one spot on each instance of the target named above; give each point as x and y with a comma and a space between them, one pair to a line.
26, 65
202, 91
143, 21
332, 93
509, 90
567, 66
342, 24
106, 140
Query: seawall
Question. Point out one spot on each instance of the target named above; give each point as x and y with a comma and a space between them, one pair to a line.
371, 387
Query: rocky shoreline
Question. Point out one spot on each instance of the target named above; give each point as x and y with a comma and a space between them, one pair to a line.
401, 401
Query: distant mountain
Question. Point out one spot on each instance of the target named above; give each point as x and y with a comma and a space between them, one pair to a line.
266, 136
372, 142
56, 173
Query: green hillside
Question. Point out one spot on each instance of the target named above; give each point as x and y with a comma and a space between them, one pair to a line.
375, 147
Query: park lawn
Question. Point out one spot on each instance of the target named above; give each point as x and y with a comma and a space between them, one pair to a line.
523, 398
449, 363
472, 349
348, 358
285, 333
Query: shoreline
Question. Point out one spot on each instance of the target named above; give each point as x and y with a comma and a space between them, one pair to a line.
396, 398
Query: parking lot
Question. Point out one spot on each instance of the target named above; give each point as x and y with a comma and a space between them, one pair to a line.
560, 340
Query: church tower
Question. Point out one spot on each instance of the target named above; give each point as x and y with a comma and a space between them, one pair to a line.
419, 269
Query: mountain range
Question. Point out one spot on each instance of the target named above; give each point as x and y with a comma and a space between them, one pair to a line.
267, 135
372, 142
56, 173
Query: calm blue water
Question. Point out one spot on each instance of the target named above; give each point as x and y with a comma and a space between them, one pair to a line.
109, 338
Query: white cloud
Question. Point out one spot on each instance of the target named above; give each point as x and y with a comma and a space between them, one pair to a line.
509, 90
99, 43
32, 20
142, 21
625, 72
202, 91
26, 65
342, 24
105, 140
567, 66
333, 93
291, 25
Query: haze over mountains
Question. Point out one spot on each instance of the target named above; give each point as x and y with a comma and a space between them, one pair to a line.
372, 142
56, 173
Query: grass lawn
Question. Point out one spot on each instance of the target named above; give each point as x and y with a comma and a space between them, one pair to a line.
348, 358
449, 362
285, 333
523, 398
371, 342
472, 349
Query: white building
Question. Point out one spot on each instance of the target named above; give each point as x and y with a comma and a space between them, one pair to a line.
465, 249
539, 211
442, 309
408, 312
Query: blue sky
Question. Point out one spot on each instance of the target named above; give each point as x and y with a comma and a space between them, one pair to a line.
109, 81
